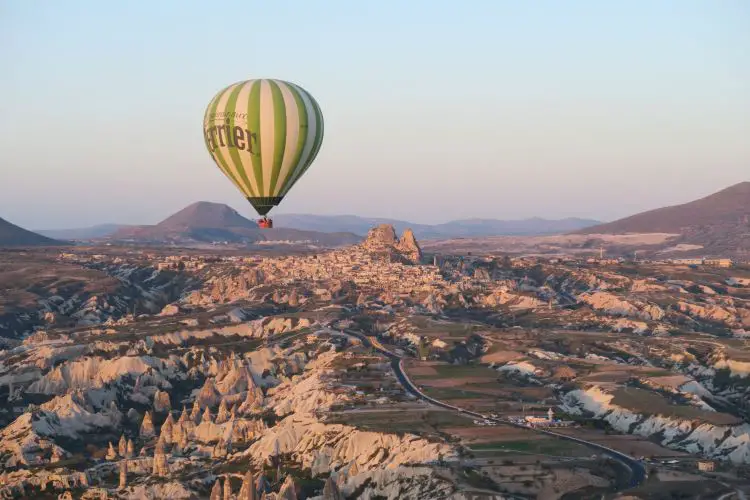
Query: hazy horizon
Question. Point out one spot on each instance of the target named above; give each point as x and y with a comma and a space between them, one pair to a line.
252, 215
246, 211
433, 112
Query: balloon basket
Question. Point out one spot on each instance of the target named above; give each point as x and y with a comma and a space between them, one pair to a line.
265, 223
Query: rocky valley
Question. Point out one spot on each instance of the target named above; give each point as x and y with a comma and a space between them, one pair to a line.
377, 370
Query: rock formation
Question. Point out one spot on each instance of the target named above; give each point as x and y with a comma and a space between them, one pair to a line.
409, 247
227, 489
207, 418
167, 427
293, 299
216, 491
160, 460
111, 453
122, 446
195, 413
383, 239
147, 427
303, 436
382, 236
331, 490
222, 415
288, 490
247, 490
161, 402
208, 396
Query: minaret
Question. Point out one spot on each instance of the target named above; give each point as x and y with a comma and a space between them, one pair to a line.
550, 414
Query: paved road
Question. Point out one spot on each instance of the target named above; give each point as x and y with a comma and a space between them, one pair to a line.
637, 469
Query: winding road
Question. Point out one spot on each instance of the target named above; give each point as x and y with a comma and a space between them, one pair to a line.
637, 468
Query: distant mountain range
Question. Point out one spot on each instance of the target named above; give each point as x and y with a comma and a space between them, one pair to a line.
83, 233
720, 222
205, 222
716, 224
15, 236
452, 229
334, 224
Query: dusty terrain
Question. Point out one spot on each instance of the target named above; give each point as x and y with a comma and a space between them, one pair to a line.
160, 373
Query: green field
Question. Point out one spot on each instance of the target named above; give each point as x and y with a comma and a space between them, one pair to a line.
401, 421
557, 447
458, 371
444, 393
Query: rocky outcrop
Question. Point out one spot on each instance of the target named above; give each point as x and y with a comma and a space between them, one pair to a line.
409, 247
122, 446
382, 236
331, 490
160, 467
31, 434
16, 485
419, 482
111, 453
288, 490
147, 427
95, 372
166, 431
208, 396
709, 312
173, 490
226, 289
248, 490
512, 300
222, 415
383, 239
227, 489
305, 394
309, 440
721, 442
611, 304
161, 402
216, 492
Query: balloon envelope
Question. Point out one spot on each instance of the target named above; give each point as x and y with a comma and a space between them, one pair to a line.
263, 134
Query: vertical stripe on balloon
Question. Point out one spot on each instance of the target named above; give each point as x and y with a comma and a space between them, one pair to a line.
294, 134
234, 154
253, 124
279, 134
210, 121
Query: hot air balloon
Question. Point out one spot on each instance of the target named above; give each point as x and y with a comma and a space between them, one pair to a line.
263, 135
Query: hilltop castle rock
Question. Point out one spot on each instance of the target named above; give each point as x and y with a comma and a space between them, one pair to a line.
383, 239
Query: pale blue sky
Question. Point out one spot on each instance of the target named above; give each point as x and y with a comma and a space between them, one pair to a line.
434, 110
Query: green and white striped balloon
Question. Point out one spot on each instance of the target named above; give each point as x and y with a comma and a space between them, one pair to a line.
263, 134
